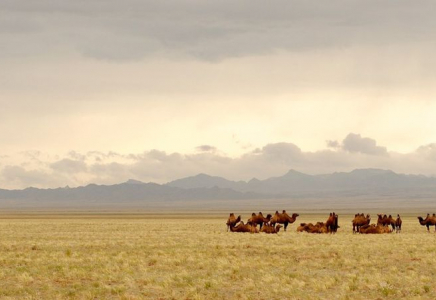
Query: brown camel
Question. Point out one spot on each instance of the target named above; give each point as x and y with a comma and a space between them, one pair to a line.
384, 220
319, 227
232, 221
332, 223
271, 229
241, 227
429, 221
374, 229
259, 219
283, 218
359, 221
398, 223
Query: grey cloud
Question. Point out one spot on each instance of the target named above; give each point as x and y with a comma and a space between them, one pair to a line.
428, 151
20, 177
271, 160
206, 148
67, 165
356, 143
209, 30
333, 144
282, 152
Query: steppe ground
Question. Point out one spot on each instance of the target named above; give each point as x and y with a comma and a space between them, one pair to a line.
177, 256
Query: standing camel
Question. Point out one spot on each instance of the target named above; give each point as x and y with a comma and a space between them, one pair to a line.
398, 223
332, 223
259, 219
359, 221
429, 221
283, 218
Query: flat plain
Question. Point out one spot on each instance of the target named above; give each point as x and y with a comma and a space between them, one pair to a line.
191, 256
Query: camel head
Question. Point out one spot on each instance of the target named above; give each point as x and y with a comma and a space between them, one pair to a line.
294, 216
268, 216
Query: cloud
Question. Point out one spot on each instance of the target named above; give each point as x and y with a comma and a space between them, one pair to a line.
207, 30
333, 144
17, 176
355, 143
67, 165
206, 148
159, 166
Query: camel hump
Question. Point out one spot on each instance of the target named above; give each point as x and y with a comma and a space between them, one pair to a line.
253, 214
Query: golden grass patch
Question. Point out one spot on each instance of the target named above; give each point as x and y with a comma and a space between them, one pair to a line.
187, 258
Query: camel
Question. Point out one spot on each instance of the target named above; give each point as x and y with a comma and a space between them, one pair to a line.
359, 221
319, 227
283, 218
232, 221
429, 221
398, 223
271, 229
259, 219
241, 227
374, 229
332, 223
384, 220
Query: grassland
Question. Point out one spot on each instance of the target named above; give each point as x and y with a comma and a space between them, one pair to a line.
187, 257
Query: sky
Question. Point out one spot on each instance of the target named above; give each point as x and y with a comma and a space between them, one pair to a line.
104, 91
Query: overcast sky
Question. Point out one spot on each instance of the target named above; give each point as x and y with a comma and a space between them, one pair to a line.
104, 91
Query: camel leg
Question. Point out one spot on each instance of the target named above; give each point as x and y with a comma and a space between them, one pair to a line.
286, 225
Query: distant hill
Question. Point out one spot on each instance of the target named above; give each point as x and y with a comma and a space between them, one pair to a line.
203, 189
294, 183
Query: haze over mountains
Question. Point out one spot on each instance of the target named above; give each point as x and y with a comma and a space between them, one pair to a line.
203, 190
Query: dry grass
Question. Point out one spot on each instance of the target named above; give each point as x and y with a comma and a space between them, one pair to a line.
133, 258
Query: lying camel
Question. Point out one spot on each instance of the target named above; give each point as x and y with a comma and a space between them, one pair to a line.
283, 218
359, 221
241, 227
332, 223
398, 223
232, 221
429, 221
271, 229
259, 219
319, 227
374, 229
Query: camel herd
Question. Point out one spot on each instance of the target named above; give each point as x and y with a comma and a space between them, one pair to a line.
267, 225
361, 223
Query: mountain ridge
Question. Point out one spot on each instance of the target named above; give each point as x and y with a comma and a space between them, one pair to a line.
203, 188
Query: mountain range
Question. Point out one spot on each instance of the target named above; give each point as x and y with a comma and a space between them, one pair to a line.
203, 188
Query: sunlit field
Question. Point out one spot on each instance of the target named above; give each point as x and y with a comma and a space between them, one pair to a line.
192, 257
